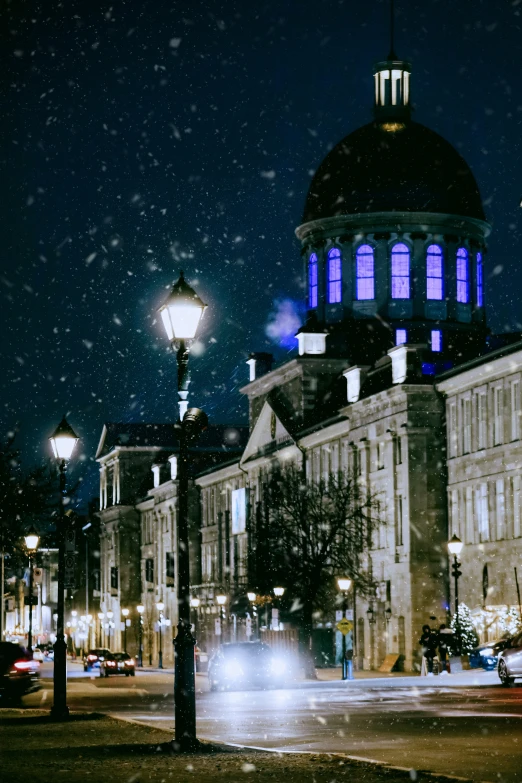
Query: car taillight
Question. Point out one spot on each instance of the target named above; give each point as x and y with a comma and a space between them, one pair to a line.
92, 657
24, 666
130, 662
111, 663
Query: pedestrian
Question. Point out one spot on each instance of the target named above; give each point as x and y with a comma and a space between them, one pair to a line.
445, 635
428, 642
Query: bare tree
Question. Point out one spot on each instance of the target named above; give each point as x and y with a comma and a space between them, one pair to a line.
313, 531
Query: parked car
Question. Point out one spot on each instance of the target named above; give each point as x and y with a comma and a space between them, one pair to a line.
94, 658
19, 673
510, 661
485, 655
118, 663
247, 664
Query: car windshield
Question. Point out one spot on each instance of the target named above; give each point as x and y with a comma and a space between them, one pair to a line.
253, 651
120, 656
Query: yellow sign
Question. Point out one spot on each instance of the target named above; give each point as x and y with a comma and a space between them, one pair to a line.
344, 626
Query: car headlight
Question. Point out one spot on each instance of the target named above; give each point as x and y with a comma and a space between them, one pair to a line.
278, 666
487, 652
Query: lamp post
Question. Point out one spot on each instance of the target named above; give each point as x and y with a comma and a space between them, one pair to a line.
101, 617
455, 548
252, 598
279, 593
221, 602
32, 539
181, 313
344, 586
62, 441
160, 606
109, 615
140, 609
125, 613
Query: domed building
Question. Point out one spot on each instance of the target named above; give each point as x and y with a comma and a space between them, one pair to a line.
394, 237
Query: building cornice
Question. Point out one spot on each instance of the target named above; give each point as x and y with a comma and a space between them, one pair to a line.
221, 474
503, 361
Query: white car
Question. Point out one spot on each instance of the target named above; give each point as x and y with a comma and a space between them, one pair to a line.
510, 661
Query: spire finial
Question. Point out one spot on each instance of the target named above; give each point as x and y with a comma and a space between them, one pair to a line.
392, 55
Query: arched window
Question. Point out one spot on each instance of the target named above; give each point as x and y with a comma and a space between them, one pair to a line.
312, 280
434, 273
462, 275
480, 289
334, 275
400, 271
365, 273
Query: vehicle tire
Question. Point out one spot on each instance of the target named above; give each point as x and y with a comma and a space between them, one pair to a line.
213, 686
106, 674
85, 668
127, 674
133, 674
505, 679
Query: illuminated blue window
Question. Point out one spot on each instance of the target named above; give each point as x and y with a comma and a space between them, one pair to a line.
480, 289
365, 273
434, 273
400, 271
436, 340
401, 336
334, 275
462, 275
312, 281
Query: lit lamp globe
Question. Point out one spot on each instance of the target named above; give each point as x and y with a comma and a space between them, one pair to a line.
182, 311
455, 545
279, 591
194, 602
32, 539
160, 606
343, 584
63, 440
221, 599
251, 597
140, 609
125, 612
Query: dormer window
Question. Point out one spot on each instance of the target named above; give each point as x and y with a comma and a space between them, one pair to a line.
365, 272
480, 289
434, 273
462, 275
334, 275
312, 281
400, 271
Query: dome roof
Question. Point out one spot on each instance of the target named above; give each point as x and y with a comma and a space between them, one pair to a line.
380, 168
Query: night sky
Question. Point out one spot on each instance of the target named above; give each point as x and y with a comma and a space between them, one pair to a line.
144, 137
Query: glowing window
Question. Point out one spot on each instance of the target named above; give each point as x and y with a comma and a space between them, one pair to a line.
312, 281
400, 271
365, 273
334, 275
401, 336
436, 340
434, 273
462, 275
480, 289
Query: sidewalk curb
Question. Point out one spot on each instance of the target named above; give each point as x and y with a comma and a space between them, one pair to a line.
277, 751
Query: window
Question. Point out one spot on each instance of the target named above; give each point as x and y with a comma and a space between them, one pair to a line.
500, 509
114, 578
434, 273
455, 511
401, 336
365, 273
398, 522
436, 340
516, 507
312, 280
515, 410
149, 570
453, 431
169, 569
497, 416
482, 512
334, 275
482, 423
398, 450
470, 538
462, 275
380, 456
480, 289
466, 425
400, 271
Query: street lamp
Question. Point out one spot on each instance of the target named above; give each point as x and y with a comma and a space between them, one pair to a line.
252, 597
181, 313
109, 615
160, 606
63, 440
221, 600
455, 548
278, 592
344, 584
125, 613
32, 539
140, 609
101, 617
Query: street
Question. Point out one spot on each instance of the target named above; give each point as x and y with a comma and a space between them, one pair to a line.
466, 725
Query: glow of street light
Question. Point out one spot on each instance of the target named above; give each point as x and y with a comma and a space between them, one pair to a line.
455, 545
343, 584
221, 599
181, 312
279, 591
140, 609
251, 597
63, 440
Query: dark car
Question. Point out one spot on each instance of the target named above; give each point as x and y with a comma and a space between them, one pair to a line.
245, 665
94, 658
19, 673
510, 661
485, 656
118, 663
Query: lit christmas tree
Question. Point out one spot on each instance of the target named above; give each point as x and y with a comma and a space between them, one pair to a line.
468, 635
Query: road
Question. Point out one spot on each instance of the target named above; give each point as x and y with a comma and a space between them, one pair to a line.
468, 726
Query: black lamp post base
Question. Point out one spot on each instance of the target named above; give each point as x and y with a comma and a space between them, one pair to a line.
188, 745
60, 713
